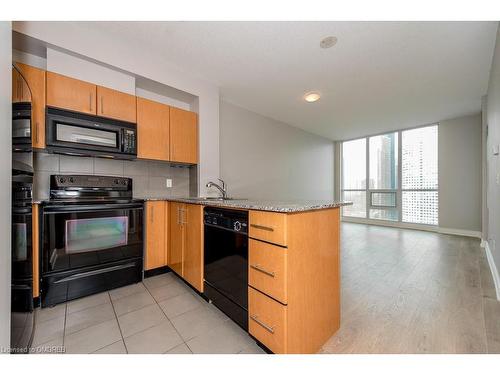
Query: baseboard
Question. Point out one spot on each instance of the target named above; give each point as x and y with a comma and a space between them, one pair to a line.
428, 228
493, 267
460, 232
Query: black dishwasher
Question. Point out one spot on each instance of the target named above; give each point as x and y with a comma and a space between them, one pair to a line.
226, 262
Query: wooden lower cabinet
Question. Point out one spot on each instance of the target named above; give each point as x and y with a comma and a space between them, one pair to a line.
267, 321
193, 249
186, 242
176, 245
36, 249
294, 290
156, 234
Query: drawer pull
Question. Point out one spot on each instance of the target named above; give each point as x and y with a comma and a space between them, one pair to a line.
260, 269
256, 319
256, 226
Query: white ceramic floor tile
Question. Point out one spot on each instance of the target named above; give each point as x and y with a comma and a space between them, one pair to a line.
225, 338
158, 339
86, 302
88, 317
51, 347
180, 304
93, 338
48, 313
48, 331
160, 280
180, 349
141, 319
133, 302
252, 349
115, 348
196, 322
126, 291
164, 292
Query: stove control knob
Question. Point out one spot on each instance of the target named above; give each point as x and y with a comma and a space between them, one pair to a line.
237, 226
124, 182
116, 182
62, 180
71, 180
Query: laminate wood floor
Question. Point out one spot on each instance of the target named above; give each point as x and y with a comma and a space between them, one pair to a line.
408, 291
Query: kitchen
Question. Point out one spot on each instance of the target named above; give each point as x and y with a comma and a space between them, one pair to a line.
173, 190
89, 227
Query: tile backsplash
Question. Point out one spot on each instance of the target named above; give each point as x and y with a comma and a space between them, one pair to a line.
149, 177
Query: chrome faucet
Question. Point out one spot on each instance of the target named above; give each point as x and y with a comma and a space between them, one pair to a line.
222, 189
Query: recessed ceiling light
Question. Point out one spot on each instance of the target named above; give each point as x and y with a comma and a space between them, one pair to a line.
328, 42
312, 96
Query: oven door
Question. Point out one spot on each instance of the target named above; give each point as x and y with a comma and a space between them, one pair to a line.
77, 236
22, 259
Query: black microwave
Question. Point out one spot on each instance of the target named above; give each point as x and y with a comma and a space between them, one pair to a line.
75, 133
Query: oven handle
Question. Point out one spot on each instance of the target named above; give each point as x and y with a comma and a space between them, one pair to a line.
95, 272
93, 207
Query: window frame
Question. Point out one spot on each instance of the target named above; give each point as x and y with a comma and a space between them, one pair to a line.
398, 191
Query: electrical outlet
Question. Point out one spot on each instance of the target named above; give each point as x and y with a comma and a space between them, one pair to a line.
168, 182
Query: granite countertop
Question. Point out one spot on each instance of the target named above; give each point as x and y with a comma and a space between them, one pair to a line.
249, 204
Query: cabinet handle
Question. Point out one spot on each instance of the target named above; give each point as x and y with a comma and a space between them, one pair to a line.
257, 267
90, 101
35, 130
256, 319
178, 216
102, 105
152, 213
183, 220
256, 226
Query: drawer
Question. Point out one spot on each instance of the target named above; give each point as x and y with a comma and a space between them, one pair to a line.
267, 269
268, 226
267, 321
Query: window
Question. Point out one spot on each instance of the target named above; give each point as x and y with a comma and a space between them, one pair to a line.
354, 177
383, 188
420, 175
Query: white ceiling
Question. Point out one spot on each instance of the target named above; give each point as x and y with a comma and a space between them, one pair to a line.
380, 76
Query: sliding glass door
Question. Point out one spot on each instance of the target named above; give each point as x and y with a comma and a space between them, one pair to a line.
392, 176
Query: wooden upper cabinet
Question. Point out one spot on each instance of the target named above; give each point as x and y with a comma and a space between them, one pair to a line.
70, 93
156, 234
116, 105
153, 128
183, 136
35, 79
20, 90
193, 250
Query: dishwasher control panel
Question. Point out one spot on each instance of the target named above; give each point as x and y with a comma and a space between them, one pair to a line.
227, 219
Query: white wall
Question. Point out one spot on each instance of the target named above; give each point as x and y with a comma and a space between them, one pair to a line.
265, 159
122, 54
460, 173
492, 160
5, 177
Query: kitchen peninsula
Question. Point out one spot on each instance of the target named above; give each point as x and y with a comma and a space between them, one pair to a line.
293, 263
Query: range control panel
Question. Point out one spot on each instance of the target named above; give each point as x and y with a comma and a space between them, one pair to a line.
227, 219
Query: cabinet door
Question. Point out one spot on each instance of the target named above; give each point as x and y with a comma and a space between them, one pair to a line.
176, 245
155, 235
193, 249
183, 136
20, 91
116, 105
36, 81
69, 93
153, 128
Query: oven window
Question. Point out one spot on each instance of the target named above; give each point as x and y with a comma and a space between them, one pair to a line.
19, 239
77, 134
84, 235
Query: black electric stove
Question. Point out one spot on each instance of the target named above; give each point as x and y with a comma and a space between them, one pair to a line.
92, 237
